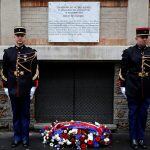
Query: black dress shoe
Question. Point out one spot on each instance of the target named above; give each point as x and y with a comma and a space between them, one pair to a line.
25, 144
134, 144
142, 144
14, 144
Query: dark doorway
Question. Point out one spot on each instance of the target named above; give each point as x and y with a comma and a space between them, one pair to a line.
75, 90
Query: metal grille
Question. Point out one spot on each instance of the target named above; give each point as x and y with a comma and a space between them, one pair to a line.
94, 92
54, 96
75, 90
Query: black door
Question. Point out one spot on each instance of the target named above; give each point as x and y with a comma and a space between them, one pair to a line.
75, 90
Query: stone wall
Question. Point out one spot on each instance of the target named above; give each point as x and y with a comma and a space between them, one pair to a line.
120, 104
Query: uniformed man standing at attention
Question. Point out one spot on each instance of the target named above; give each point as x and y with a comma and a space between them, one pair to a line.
20, 80
134, 75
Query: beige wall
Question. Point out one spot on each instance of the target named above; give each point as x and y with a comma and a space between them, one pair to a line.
10, 17
113, 22
149, 18
35, 19
0, 22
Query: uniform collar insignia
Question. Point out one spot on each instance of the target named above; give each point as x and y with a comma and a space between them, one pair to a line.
141, 47
21, 47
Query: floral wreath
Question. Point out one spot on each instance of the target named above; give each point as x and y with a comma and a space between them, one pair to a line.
76, 134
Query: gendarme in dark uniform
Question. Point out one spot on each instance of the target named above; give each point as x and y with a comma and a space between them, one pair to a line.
20, 79
135, 76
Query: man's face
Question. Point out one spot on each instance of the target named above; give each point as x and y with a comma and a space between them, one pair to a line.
19, 39
142, 40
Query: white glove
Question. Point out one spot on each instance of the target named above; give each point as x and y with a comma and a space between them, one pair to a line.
6, 91
123, 91
32, 91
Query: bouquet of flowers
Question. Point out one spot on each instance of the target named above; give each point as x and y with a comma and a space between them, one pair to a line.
76, 134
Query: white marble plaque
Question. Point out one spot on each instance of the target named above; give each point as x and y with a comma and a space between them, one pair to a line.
73, 21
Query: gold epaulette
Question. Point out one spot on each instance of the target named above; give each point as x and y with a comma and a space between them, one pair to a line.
36, 74
143, 74
2, 75
120, 75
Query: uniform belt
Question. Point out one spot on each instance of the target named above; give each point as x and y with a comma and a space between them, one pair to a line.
142, 74
18, 73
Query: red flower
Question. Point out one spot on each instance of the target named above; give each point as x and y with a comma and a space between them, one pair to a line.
79, 131
73, 141
90, 142
97, 139
46, 127
59, 125
64, 135
50, 134
83, 146
100, 130
83, 132
82, 139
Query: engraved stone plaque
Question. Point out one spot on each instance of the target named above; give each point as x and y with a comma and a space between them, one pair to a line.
73, 21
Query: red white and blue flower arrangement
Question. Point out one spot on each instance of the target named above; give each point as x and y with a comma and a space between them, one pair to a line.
76, 134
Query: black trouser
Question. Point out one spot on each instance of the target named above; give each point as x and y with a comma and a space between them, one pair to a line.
138, 111
21, 117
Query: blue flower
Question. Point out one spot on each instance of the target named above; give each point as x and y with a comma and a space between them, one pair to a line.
78, 136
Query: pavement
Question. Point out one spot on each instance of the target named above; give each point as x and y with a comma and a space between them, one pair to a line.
120, 141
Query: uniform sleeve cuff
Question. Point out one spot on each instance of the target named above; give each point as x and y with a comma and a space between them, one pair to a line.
35, 83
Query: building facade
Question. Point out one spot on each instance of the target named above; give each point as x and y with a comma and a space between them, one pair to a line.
77, 80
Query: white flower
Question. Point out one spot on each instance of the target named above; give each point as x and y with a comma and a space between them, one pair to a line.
64, 140
52, 140
42, 134
106, 140
65, 131
90, 136
68, 142
60, 143
97, 124
97, 133
51, 144
44, 139
57, 137
85, 141
73, 131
